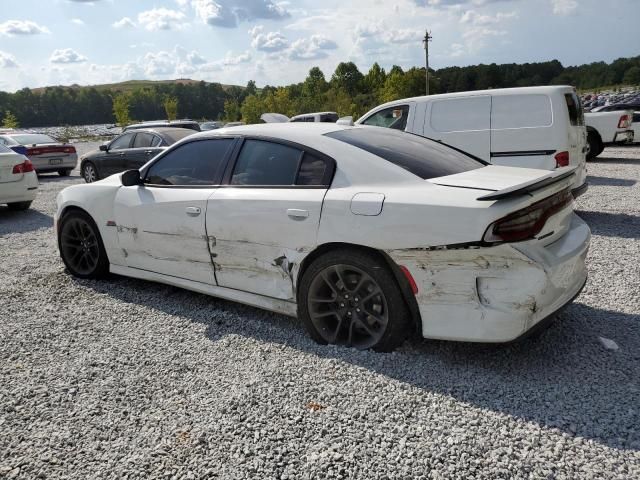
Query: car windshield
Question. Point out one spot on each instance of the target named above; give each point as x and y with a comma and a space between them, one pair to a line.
32, 139
420, 156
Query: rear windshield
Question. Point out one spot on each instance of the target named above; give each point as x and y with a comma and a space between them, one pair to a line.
4, 149
576, 115
32, 138
420, 156
177, 134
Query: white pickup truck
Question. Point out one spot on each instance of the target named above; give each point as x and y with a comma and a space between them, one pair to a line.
608, 128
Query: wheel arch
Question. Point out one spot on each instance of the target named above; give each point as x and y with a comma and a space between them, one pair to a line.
401, 280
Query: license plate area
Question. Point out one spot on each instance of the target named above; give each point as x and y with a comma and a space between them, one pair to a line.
55, 161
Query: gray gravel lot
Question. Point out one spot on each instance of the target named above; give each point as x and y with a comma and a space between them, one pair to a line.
129, 379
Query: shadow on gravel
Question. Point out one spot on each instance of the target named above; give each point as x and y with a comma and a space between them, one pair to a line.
615, 161
54, 178
22, 222
611, 224
562, 379
610, 182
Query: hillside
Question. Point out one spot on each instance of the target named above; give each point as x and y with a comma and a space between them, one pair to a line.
129, 85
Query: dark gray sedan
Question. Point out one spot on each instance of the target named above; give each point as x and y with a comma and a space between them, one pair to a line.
129, 151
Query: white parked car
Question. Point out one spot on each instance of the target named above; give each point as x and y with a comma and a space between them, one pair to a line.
532, 127
46, 153
324, 117
18, 180
368, 235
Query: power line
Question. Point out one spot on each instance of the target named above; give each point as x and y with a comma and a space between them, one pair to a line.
427, 38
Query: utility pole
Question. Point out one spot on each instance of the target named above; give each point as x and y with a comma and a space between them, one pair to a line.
427, 38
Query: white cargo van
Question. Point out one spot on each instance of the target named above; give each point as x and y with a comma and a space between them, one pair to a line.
533, 127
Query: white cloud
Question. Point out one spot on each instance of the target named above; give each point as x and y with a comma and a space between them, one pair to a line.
161, 19
267, 42
7, 60
237, 59
473, 18
125, 22
229, 13
21, 27
564, 7
67, 55
312, 48
77, 21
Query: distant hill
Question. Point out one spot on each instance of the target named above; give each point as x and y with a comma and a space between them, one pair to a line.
131, 85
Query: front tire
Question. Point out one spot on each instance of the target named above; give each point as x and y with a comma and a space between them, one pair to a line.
350, 297
16, 206
81, 247
89, 173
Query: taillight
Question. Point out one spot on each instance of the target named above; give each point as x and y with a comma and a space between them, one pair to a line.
24, 167
33, 151
623, 122
528, 222
562, 159
69, 150
409, 277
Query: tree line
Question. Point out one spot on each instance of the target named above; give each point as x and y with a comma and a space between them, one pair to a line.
348, 92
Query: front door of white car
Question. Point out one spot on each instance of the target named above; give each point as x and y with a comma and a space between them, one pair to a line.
266, 219
161, 224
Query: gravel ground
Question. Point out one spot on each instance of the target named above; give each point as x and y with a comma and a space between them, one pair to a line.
129, 379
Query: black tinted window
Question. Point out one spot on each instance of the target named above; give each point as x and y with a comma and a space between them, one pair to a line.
312, 171
329, 117
420, 156
142, 140
576, 116
392, 117
194, 163
121, 142
266, 163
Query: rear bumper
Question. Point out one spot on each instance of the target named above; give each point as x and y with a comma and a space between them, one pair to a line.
580, 190
24, 190
496, 294
620, 138
44, 165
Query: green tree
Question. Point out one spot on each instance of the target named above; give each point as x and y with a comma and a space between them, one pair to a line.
251, 109
347, 77
10, 120
251, 88
231, 110
171, 108
121, 109
632, 76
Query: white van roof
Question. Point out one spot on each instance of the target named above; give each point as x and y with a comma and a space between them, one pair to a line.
497, 91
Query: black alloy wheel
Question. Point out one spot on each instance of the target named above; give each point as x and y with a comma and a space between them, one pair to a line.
81, 247
352, 299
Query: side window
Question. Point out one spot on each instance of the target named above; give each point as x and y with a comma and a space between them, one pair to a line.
194, 163
3, 141
521, 111
123, 141
266, 163
461, 114
156, 142
312, 171
392, 117
142, 140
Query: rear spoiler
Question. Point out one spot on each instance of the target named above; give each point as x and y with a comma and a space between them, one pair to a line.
531, 185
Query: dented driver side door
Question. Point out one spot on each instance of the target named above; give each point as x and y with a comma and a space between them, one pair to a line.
265, 220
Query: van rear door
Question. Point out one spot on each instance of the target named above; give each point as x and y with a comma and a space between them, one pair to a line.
462, 122
523, 133
577, 136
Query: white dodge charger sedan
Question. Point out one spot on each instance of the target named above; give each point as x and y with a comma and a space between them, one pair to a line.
367, 234
18, 180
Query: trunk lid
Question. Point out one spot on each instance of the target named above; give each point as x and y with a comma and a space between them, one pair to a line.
7, 162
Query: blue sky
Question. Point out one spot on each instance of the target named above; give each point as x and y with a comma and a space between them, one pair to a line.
51, 42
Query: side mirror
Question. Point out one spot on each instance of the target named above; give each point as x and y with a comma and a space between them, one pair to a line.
131, 178
104, 147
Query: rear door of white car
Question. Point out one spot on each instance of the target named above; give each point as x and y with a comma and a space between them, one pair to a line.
265, 218
161, 224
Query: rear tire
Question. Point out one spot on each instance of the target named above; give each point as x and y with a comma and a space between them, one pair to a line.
19, 206
595, 144
89, 173
81, 247
350, 297
64, 172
